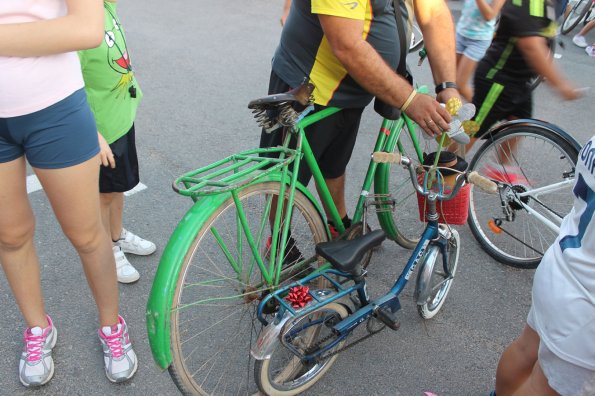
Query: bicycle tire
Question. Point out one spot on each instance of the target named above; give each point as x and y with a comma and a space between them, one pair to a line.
575, 16
432, 276
213, 315
402, 224
532, 171
294, 377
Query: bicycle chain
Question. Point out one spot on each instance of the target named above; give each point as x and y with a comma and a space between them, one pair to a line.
333, 353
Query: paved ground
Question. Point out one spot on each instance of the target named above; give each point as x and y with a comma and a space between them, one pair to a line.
199, 64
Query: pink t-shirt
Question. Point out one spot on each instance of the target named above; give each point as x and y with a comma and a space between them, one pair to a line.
32, 84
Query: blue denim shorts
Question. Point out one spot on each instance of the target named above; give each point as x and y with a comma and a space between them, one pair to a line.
472, 49
61, 135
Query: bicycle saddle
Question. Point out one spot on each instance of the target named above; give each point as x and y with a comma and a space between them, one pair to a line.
301, 94
345, 255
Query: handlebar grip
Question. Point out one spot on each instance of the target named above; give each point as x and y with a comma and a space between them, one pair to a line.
382, 157
482, 182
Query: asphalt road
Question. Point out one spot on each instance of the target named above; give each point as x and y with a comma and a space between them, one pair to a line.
199, 64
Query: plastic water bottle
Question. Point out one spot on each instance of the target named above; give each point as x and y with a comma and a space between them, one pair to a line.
456, 131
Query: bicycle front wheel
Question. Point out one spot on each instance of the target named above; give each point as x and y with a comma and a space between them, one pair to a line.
436, 275
283, 373
575, 15
535, 170
213, 315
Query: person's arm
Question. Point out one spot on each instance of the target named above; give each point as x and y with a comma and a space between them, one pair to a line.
105, 152
489, 11
536, 52
80, 28
367, 67
435, 21
285, 13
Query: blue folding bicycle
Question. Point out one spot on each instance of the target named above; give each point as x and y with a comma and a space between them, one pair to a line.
312, 326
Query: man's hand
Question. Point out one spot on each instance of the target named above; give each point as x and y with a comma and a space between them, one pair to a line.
105, 153
428, 114
446, 94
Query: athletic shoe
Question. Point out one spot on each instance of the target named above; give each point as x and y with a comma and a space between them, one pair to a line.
590, 50
118, 355
36, 366
580, 41
134, 244
506, 174
125, 271
333, 231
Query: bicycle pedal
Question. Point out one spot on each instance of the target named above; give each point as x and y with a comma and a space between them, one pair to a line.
388, 318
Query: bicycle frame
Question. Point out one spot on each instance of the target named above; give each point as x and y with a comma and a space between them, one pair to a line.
270, 336
390, 131
158, 313
556, 221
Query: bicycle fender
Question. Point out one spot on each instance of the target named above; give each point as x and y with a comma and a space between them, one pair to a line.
158, 312
164, 284
424, 275
534, 123
268, 339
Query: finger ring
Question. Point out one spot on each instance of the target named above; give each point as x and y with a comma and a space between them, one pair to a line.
429, 122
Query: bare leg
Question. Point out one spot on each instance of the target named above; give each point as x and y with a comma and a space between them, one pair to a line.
536, 384
587, 28
17, 249
337, 189
112, 209
517, 362
74, 195
465, 69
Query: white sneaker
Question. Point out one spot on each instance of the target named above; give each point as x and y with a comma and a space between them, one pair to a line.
118, 356
36, 366
134, 244
579, 41
125, 271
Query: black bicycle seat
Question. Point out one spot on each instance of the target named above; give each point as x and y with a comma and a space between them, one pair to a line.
345, 255
300, 94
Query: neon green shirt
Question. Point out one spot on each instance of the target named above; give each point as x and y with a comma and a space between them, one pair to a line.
109, 80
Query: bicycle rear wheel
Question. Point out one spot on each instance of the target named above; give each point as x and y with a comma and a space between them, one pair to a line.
283, 373
522, 158
213, 316
575, 15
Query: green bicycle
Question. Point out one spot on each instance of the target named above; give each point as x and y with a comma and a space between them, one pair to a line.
239, 242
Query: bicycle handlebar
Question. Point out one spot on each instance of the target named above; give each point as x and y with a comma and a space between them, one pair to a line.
472, 177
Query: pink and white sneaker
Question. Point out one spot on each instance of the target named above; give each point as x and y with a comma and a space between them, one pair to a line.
36, 366
118, 355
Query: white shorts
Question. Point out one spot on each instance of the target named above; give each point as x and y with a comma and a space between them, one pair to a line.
564, 377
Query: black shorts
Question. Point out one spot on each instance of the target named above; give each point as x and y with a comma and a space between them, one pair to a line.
124, 176
332, 139
496, 102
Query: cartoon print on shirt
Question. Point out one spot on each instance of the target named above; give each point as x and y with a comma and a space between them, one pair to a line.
118, 58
